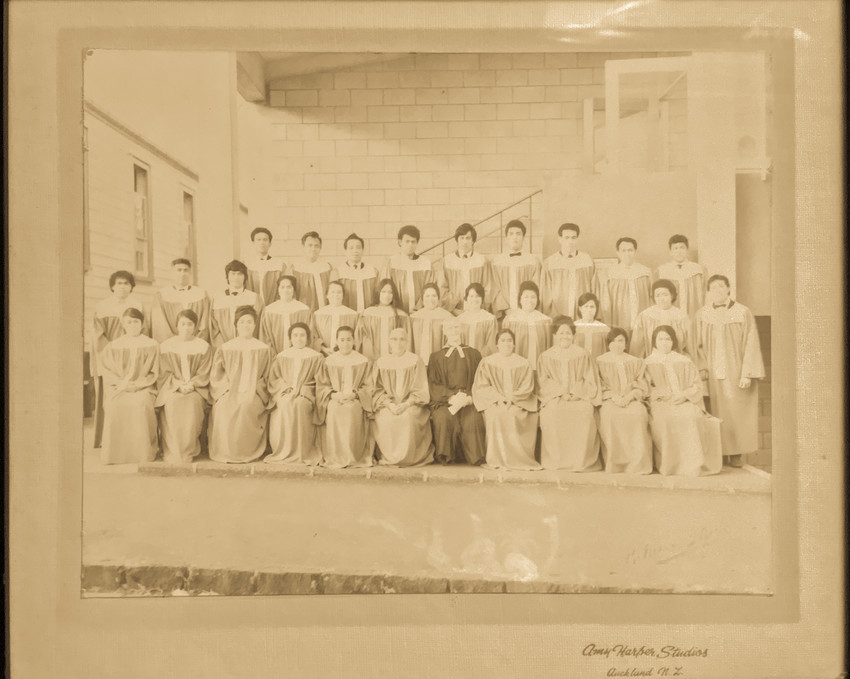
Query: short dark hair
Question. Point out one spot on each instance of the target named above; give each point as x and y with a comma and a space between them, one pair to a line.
125, 275
430, 286
515, 224
301, 325
717, 277
528, 285
244, 310
235, 265
261, 229
678, 238
292, 279
569, 226
625, 239
558, 321
506, 331
353, 236
133, 312
464, 229
344, 328
474, 286
342, 287
188, 313
589, 297
311, 234
664, 283
181, 260
669, 330
409, 230
613, 334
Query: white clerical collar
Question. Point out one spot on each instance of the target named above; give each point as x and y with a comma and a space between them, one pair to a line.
459, 351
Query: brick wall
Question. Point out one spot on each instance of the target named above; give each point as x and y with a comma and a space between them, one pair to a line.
433, 140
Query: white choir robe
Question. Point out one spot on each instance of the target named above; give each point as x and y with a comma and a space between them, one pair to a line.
565, 279
509, 272
624, 430
292, 401
346, 438
533, 331
278, 317
130, 422
458, 272
359, 285
512, 429
222, 310
649, 319
372, 335
682, 446
729, 348
410, 276
264, 276
404, 440
426, 330
313, 279
238, 384
690, 279
592, 336
478, 330
327, 321
569, 391
169, 302
625, 294
181, 416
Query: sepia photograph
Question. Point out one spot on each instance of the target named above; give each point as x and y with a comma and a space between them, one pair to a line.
428, 322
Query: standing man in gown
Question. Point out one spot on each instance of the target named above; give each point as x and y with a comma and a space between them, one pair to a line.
311, 273
409, 271
263, 269
463, 267
567, 275
512, 268
173, 299
688, 277
358, 279
627, 291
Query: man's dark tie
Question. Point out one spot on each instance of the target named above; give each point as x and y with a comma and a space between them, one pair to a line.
514, 254
719, 306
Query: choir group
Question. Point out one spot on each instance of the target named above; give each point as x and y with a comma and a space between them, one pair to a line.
507, 361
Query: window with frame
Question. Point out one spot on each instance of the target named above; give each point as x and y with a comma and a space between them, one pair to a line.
189, 226
142, 227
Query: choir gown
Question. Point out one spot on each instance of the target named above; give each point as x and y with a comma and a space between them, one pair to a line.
625, 293
223, 308
238, 384
327, 321
169, 302
403, 440
509, 272
458, 272
512, 428
292, 401
565, 279
372, 336
313, 279
346, 438
426, 328
264, 276
649, 319
478, 330
592, 336
278, 317
359, 285
690, 280
181, 416
626, 444
533, 331
681, 433
569, 392
729, 349
130, 420
410, 276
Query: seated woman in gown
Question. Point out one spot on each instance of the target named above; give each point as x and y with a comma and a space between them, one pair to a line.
184, 397
477, 325
292, 400
687, 441
375, 323
531, 327
426, 324
402, 427
238, 384
344, 398
569, 392
129, 367
623, 419
279, 316
590, 331
504, 392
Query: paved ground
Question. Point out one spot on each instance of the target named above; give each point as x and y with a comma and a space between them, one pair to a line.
581, 532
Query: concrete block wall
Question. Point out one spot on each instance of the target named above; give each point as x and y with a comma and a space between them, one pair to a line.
433, 140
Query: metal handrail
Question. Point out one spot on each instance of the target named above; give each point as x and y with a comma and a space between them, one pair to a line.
481, 221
